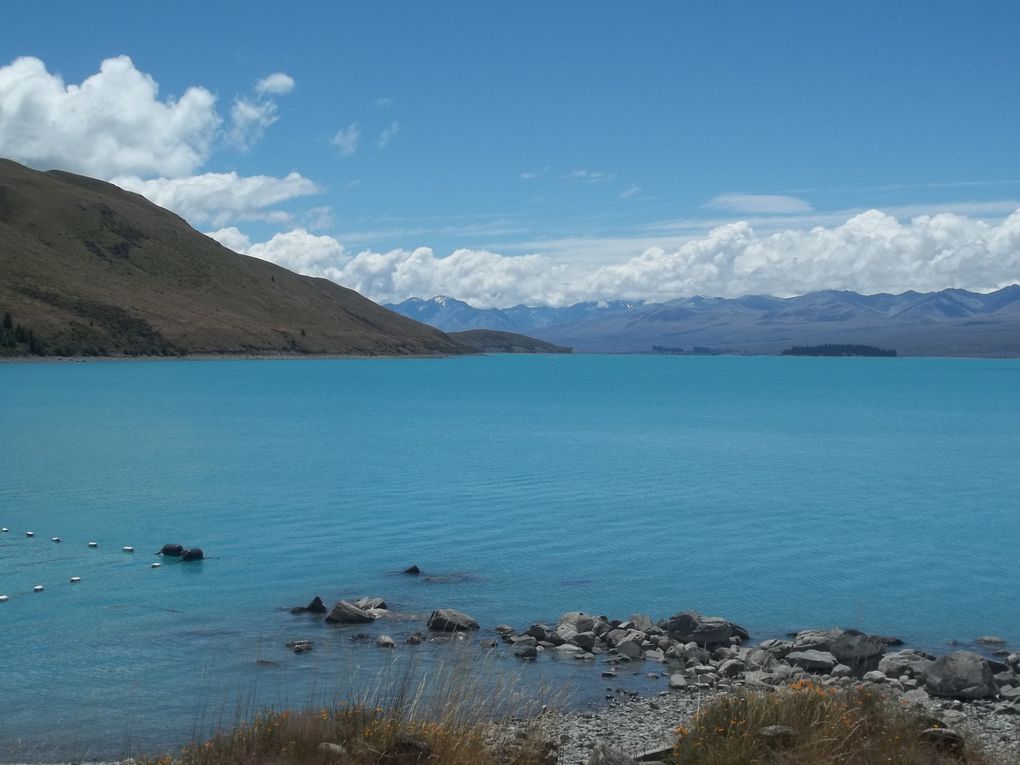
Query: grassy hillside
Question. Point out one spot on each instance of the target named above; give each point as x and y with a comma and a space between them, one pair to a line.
90, 269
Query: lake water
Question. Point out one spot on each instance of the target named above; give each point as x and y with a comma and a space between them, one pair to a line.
781, 493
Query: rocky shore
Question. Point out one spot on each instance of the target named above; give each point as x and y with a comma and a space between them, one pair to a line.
695, 658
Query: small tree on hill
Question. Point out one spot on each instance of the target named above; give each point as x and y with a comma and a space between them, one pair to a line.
8, 321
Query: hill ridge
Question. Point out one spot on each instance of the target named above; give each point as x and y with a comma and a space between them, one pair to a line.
92, 269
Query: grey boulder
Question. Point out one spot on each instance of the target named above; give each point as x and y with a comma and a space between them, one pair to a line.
961, 675
812, 661
690, 626
909, 662
348, 613
578, 621
370, 603
857, 650
451, 620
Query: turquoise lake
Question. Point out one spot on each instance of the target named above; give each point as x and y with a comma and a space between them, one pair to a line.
781, 493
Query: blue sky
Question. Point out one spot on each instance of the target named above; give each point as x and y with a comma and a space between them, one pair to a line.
558, 151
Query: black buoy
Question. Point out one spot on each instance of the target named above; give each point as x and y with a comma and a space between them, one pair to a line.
194, 553
172, 550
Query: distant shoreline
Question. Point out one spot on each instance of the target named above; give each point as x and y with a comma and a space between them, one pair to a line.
218, 357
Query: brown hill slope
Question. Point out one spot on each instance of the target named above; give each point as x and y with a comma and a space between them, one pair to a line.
92, 269
494, 341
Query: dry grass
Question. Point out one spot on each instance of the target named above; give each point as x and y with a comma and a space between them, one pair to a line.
447, 716
829, 726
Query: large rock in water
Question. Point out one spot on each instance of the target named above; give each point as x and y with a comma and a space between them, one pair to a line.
961, 675
348, 613
690, 626
578, 621
450, 620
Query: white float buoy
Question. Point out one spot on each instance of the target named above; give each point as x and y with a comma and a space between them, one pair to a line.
55, 539
4, 530
155, 565
38, 588
75, 579
29, 533
3, 598
127, 548
93, 544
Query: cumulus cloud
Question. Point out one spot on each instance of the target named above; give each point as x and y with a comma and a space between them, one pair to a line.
113, 123
388, 134
759, 203
871, 252
231, 238
218, 198
276, 84
346, 139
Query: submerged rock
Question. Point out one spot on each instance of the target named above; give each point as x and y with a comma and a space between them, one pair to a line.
412, 571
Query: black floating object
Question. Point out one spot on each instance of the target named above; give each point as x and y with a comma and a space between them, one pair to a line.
175, 551
413, 571
194, 553
315, 607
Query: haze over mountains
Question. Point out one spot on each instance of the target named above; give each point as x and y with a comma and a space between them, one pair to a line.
950, 322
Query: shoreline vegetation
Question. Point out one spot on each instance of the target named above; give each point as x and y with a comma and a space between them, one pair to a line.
823, 696
831, 349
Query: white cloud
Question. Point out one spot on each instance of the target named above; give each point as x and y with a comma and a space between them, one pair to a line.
759, 203
346, 139
388, 134
277, 84
630, 191
871, 252
319, 218
249, 120
231, 238
383, 103
218, 198
113, 123
300, 251
588, 176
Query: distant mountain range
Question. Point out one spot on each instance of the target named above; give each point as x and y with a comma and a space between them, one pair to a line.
951, 322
